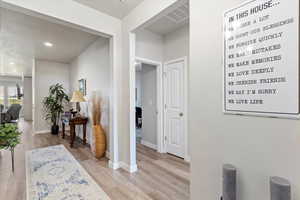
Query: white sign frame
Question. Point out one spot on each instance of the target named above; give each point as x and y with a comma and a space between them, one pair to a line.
271, 114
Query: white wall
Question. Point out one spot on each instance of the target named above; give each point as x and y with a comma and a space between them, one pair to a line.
27, 100
93, 65
47, 73
259, 147
149, 45
176, 44
149, 104
163, 48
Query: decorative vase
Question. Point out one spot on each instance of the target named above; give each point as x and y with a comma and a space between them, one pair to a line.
99, 141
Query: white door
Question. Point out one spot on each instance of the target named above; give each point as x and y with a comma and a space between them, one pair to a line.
174, 108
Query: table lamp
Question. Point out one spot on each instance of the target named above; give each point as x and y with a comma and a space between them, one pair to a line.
77, 98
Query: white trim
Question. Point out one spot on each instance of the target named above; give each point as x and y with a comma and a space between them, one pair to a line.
185, 106
133, 103
149, 144
132, 106
27, 177
113, 107
130, 169
187, 159
107, 154
113, 165
42, 132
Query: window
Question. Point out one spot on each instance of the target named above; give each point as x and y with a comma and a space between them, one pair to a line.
13, 97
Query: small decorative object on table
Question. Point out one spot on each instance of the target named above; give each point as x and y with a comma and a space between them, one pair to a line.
9, 139
99, 138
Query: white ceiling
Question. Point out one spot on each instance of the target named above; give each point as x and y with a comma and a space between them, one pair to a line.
172, 21
114, 8
22, 38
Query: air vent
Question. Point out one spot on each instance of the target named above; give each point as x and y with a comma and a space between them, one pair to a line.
179, 15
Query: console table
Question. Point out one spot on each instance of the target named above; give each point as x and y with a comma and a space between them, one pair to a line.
72, 123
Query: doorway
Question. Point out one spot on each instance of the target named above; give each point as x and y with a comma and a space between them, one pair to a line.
161, 106
148, 101
164, 38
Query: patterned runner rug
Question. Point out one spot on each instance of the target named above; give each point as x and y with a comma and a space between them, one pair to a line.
53, 174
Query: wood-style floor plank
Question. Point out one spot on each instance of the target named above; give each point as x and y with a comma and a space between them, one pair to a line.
160, 176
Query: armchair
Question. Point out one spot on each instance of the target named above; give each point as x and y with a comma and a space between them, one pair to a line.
1, 108
12, 114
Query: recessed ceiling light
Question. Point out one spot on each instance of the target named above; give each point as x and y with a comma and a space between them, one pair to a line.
11, 63
48, 44
122, 1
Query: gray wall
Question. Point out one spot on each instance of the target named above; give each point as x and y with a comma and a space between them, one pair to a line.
27, 100
149, 103
138, 86
259, 147
46, 74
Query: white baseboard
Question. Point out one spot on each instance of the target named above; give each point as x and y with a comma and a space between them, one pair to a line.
107, 154
148, 144
42, 132
126, 167
49, 131
187, 158
113, 165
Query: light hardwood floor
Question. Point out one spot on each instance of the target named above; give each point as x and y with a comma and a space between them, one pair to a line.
160, 176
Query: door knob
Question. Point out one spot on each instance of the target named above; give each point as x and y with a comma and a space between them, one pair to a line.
181, 114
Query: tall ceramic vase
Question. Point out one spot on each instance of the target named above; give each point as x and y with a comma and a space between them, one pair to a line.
99, 141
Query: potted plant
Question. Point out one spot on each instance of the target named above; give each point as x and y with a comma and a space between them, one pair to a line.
54, 106
9, 139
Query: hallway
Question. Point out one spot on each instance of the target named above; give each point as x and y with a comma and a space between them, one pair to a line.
160, 176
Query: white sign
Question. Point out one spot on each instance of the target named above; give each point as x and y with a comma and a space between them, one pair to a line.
261, 58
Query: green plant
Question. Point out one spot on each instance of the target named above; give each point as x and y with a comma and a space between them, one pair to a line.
9, 139
54, 103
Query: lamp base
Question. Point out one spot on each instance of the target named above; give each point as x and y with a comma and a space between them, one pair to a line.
78, 107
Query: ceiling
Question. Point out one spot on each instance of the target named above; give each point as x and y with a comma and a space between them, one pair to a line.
114, 8
22, 40
172, 21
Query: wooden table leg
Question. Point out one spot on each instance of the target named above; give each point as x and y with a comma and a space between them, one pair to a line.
63, 130
72, 134
84, 134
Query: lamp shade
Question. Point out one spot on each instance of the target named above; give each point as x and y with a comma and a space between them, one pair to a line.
77, 97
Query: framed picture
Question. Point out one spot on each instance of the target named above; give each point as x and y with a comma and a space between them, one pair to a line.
82, 86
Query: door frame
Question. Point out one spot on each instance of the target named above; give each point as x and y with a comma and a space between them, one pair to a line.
159, 100
185, 106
